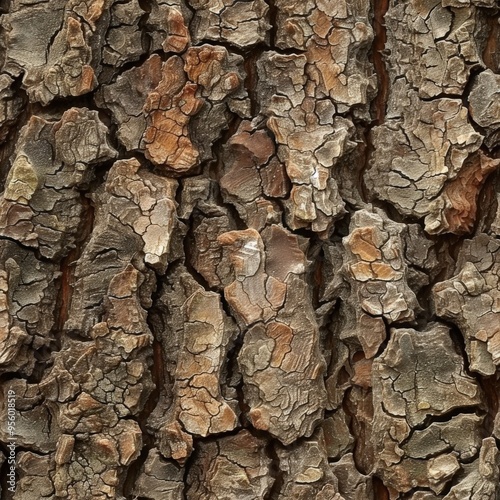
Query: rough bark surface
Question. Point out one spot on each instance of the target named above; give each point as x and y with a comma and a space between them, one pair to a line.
249, 249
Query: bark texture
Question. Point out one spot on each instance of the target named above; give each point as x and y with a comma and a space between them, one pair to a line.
249, 249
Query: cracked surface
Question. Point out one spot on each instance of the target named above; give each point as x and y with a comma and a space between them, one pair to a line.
196, 345
27, 305
306, 472
419, 377
280, 347
377, 271
470, 300
249, 249
234, 465
41, 205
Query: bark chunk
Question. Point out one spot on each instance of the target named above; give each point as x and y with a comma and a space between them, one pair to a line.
41, 205
470, 300
196, 350
282, 338
234, 465
420, 376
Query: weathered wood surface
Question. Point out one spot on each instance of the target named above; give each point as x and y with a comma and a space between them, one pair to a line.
249, 249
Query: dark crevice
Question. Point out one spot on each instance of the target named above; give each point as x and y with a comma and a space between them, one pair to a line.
486, 190
229, 372
491, 52
5, 6
234, 215
68, 263
275, 472
242, 404
327, 339
487, 204
379, 104
380, 491
25, 247
359, 429
188, 245
273, 21
130, 65
157, 367
188, 464
448, 246
444, 418
491, 391
392, 212
214, 167
368, 149
245, 53
458, 343
316, 256
146, 5
133, 471
59, 104
11, 130
251, 79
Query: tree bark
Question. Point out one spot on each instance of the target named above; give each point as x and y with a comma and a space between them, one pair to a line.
250, 249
